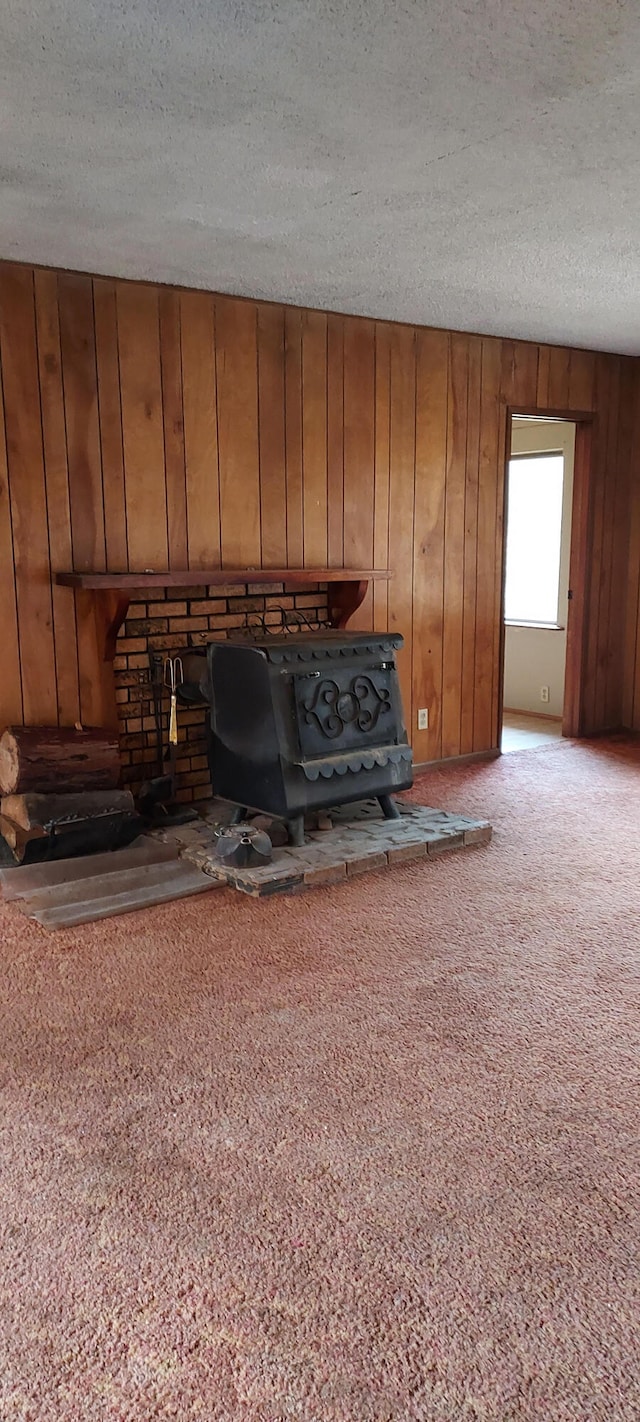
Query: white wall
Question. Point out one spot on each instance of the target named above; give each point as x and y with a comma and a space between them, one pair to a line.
535, 656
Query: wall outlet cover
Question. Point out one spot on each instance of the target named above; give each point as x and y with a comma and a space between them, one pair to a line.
423, 719
544, 693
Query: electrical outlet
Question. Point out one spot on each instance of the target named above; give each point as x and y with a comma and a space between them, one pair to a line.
544, 693
423, 719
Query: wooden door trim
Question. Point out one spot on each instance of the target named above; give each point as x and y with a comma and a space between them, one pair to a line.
579, 565
579, 581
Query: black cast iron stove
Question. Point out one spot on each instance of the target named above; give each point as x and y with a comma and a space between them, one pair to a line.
304, 722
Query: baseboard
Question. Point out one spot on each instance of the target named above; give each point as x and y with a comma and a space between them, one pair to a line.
536, 715
453, 760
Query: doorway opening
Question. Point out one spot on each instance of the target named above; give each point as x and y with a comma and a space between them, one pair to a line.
539, 500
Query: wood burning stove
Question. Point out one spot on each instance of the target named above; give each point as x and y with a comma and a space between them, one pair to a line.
303, 722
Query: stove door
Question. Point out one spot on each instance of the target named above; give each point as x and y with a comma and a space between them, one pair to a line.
345, 709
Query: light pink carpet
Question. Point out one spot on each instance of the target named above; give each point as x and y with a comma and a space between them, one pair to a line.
370, 1153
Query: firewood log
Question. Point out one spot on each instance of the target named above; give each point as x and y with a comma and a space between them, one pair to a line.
39, 759
33, 812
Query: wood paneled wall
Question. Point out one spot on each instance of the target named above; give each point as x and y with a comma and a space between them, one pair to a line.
631, 688
147, 427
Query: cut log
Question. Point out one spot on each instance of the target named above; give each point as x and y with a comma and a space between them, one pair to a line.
35, 812
9, 832
38, 759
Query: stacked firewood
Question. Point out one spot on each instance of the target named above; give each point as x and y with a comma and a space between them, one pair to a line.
60, 794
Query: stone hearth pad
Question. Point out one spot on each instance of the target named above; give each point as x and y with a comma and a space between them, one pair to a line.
360, 841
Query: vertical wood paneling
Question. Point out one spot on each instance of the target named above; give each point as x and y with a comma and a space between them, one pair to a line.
402, 436
490, 476
173, 427
162, 428
57, 493
359, 453
631, 667
10, 682
498, 574
293, 437
542, 380
559, 373
454, 544
110, 421
335, 440
581, 377
20, 379
77, 337
237, 383
470, 560
622, 550
603, 380
314, 437
142, 426
200, 428
428, 542
273, 487
609, 639
519, 374
381, 475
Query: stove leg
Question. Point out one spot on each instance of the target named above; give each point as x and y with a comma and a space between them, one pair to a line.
296, 831
389, 808
238, 815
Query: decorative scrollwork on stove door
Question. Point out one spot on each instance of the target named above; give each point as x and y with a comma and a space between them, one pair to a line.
332, 709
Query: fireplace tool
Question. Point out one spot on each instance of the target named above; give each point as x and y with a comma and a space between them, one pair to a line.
156, 800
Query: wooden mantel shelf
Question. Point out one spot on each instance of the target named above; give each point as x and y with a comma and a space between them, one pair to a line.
112, 591
212, 577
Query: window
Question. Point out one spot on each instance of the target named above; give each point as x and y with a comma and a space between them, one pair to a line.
534, 531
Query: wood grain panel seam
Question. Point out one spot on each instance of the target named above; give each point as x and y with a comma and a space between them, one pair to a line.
124, 464
97, 387
214, 322
258, 437
164, 447
476, 457
56, 648
3, 432
66, 444
45, 491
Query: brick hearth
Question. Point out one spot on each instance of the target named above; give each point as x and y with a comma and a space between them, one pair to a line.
359, 841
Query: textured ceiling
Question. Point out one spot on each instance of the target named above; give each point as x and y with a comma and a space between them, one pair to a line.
474, 165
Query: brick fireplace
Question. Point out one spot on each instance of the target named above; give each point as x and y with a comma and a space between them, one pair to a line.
175, 619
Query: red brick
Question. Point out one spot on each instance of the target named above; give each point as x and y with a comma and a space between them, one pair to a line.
143, 626
167, 642
306, 599
208, 607
167, 609
274, 602
230, 620
187, 624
